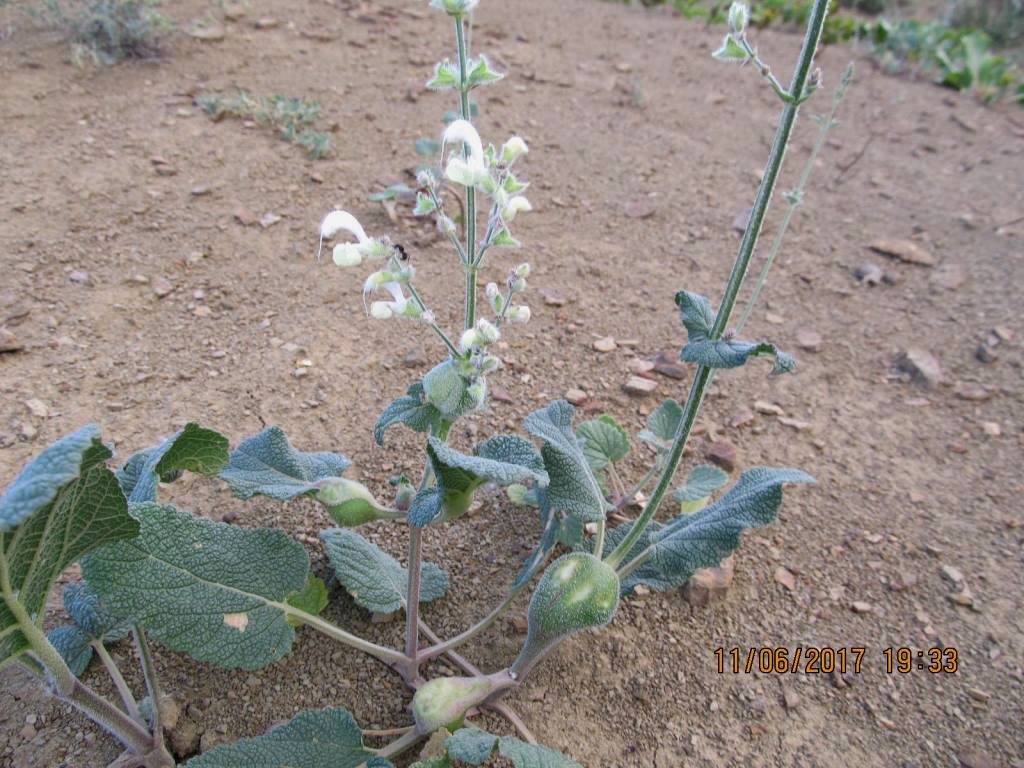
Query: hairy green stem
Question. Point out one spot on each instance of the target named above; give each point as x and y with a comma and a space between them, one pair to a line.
467, 115
739, 270
130, 705
116, 722
152, 681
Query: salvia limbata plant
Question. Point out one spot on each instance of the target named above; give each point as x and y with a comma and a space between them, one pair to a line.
235, 597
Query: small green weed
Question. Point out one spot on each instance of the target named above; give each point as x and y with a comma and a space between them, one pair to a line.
292, 118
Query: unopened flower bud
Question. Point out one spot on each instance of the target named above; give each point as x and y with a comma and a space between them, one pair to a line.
380, 310
489, 364
739, 15
477, 391
495, 298
523, 270
520, 314
455, 7
517, 284
425, 178
469, 339
515, 206
487, 331
513, 149
445, 225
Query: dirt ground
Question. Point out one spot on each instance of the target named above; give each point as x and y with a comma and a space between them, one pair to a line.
644, 151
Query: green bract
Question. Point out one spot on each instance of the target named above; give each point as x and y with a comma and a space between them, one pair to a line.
576, 592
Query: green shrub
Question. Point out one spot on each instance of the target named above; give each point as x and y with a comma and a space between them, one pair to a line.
107, 31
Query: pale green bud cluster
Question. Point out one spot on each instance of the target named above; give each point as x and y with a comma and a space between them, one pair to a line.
455, 7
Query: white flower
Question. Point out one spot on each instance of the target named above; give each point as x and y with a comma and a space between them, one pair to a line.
513, 149
471, 172
399, 305
345, 254
516, 205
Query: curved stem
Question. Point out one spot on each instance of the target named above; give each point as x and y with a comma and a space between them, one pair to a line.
412, 605
152, 681
796, 198
510, 714
130, 705
739, 270
399, 745
436, 650
387, 655
116, 722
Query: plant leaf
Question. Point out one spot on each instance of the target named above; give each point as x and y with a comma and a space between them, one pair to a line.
572, 487
63, 505
704, 539
92, 617
523, 755
471, 745
324, 738
732, 353
604, 441
703, 480
212, 590
413, 410
266, 464
504, 459
696, 313
193, 448
475, 747
311, 599
73, 645
373, 577
662, 425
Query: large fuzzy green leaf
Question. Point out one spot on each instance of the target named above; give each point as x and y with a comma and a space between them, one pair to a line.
702, 540
193, 448
573, 487
505, 460
63, 505
475, 747
266, 464
413, 410
374, 578
325, 738
214, 591
604, 441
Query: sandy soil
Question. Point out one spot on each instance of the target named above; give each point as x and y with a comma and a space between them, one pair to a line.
626, 114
